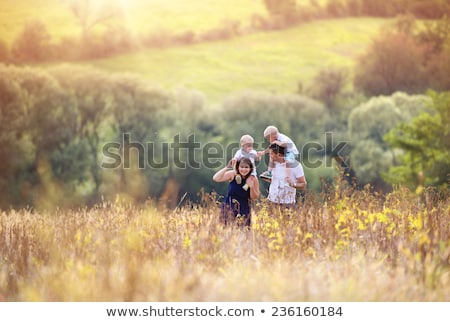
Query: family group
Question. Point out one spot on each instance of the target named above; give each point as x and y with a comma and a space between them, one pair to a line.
285, 174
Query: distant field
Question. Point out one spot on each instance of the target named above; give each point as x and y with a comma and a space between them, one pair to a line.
271, 61
140, 16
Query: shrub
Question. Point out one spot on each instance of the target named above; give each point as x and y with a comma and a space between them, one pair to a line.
33, 43
429, 9
4, 51
369, 122
328, 84
394, 62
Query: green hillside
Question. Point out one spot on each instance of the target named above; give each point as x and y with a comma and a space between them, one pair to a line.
269, 61
274, 61
139, 16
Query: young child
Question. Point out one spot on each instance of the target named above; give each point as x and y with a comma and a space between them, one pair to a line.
272, 135
246, 151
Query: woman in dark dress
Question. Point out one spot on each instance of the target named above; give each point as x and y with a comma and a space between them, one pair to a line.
242, 188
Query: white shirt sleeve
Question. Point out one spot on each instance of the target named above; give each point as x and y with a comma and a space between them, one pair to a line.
291, 147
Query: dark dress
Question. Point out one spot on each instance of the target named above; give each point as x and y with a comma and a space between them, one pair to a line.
236, 204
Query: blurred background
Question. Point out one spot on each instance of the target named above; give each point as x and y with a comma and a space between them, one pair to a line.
361, 86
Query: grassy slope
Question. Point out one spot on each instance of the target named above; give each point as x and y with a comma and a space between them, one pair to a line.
271, 61
140, 16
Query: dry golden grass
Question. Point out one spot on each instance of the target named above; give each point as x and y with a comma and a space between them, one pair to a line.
349, 246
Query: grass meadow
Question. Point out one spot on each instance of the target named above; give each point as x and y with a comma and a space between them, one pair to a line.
340, 246
266, 61
275, 61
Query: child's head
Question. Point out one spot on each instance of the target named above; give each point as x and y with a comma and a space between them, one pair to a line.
246, 142
271, 133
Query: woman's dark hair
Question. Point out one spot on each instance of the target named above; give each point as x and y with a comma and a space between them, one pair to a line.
245, 161
277, 149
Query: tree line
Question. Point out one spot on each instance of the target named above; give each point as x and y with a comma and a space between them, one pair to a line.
35, 44
64, 127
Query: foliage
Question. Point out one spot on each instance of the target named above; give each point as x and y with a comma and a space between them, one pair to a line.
328, 85
424, 9
41, 129
393, 62
56, 123
404, 59
436, 38
429, 9
286, 10
137, 107
33, 43
435, 33
78, 142
369, 122
4, 51
252, 111
15, 151
93, 104
425, 146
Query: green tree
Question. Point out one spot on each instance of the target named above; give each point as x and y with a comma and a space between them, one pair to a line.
40, 128
300, 117
137, 109
60, 163
369, 123
89, 92
425, 146
190, 121
16, 152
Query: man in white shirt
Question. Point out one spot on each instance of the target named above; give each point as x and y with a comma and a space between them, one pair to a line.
282, 190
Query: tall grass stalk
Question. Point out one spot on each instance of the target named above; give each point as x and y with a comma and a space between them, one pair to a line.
340, 246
